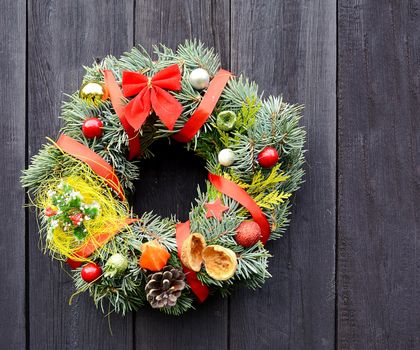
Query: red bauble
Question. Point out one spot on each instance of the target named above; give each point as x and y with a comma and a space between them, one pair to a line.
92, 127
91, 272
73, 263
268, 157
248, 233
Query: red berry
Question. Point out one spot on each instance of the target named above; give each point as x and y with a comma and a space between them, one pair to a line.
248, 233
50, 212
73, 263
92, 127
91, 272
268, 157
76, 218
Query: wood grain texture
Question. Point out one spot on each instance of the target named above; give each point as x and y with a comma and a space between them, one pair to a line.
289, 48
63, 36
173, 22
379, 193
168, 185
12, 160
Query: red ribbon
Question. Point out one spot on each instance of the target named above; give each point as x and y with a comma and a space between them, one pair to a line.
151, 94
93, 243
93, 160
200, 290
116, 98
205, 108
99, 240
232, 190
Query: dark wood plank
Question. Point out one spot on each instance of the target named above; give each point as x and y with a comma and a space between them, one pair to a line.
168, 184
379, 98
12, 160
289, 47
63, 36
173, 22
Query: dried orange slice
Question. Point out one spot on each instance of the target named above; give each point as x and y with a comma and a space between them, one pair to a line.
220, 262
192, 251
154, 256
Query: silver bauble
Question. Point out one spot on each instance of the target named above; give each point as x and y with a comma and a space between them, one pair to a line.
199, 78
226, 157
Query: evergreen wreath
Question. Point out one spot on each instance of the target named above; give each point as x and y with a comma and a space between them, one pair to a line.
253, 149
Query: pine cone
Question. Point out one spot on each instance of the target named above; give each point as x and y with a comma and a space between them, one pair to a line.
163, 288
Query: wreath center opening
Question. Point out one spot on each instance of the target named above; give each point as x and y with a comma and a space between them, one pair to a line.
169, 180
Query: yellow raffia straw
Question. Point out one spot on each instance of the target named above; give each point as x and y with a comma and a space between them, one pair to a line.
112, 215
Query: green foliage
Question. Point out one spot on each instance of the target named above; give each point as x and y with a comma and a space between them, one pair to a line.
120, 293
260, 182
125, 292
48, 163
271, 200
247, 114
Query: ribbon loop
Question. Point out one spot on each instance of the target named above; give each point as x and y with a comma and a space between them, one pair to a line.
133, 83
116, 98
93, 160
168, 78
152, 94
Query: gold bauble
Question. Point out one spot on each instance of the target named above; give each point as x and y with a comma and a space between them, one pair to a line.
93, 93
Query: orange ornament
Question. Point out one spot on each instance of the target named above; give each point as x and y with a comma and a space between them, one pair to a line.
154, 256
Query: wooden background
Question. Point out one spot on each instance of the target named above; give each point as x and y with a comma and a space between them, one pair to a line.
347, 275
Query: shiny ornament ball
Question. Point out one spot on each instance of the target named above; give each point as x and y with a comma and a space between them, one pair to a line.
92, 127
115, 265
268, 157
199, 78
91, 272
226, 120
93, 93
226, 157
248, 233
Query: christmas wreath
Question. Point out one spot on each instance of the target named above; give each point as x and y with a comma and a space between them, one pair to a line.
254, 153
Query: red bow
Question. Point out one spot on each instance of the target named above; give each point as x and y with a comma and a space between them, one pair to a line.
150, 94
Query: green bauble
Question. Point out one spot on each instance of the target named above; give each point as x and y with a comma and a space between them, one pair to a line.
115, 265
226, 120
